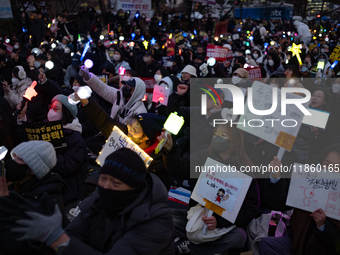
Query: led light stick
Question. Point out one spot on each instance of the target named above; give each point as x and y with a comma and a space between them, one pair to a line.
172, 125
83, 92
334, 64
295, 49
86, 48
211, 61
3, 152
49, 65
88, 63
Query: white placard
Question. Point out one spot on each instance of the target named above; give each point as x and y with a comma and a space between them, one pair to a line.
160, 94
272, 131
310, 191
317, 119
210, 183
119, 140
236, 37
6, 9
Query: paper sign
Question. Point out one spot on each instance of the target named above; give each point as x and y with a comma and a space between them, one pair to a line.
221, 28
236, 37
218, 52
225, 190
160, 94
150, 83
9, 47
118, 140
54, 28
52, 132
254, 73
336, 53
179, 38
318, 118
271, 130
310, 190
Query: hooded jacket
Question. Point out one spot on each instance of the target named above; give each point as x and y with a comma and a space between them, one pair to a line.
14, 96
303, 30
120, 110
144, 227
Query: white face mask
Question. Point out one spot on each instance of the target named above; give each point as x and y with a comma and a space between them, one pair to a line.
36, 64
75, 88
236, 80
322, 50
170, 64
336, 88
270, 62
157, 77
54, 116
16, 46
126, 78
116, 57
67, 50
15, 81
146, 59
256, 56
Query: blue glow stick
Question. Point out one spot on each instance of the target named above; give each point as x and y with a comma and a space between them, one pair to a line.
87, 46
180, 193
334, 64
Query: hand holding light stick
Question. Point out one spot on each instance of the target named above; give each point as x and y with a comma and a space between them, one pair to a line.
83, 92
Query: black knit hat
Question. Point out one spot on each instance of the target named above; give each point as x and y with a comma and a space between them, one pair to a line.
125, 165
151, 123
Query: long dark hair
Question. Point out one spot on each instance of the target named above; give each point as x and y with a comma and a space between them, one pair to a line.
67, 116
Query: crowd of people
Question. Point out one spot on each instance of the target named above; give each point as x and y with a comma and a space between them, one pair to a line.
59, 200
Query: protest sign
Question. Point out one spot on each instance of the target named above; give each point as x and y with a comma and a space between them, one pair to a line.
272, 131
118, 140
107, 43
336, 53
313, 187
221, 192
179, 38
160, 94
8, 47
103, 78
218, 52
150, 83
221, 28
318, 118
254, 73
54, 28
46, 131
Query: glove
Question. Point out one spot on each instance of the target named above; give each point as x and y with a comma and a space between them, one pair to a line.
84, 72
45, 229
204, 69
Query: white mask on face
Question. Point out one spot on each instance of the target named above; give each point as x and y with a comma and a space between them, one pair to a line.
36, 64
126, 78
236, 80
270, 62
75, 88
16, 46
146, 59
322, 50
336, 88
170, 64
116, 57
67, 50
54, 116
157, 77
15, 81
256, 56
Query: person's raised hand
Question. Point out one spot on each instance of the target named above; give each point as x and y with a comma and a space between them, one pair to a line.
182, 89
84, 72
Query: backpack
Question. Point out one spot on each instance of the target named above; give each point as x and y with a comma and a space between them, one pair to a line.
257, 36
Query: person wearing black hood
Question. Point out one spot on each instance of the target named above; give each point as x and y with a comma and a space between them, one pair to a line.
127, 214
148, 67
315, 55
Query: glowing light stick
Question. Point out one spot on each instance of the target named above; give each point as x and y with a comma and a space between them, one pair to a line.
142, 38
49, 65
30, 91
145, 98
83, 92
133, 35
295, 49
122, 70
172, 125
146, 43
121, 38
101, 37
211, 61
86, 48
88, 63
3, 152
321, 65
334, 64
153, 41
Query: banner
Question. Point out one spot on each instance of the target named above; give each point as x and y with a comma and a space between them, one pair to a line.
336, 53
52, 132
143, 6
218, 52
312, 187
149, 82
5, 9
221, 28
254, 73
118, 140
265, 13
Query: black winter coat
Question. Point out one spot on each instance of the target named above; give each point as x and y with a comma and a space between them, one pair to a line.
144, 227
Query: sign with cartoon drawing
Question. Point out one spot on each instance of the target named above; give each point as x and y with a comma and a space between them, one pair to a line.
221, 189
313, 187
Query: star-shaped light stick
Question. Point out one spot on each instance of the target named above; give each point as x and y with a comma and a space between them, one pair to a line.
296, 52
153, 41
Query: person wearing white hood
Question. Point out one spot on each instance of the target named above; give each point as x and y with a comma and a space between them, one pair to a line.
304, 34
168, 84
126, 101
20, 82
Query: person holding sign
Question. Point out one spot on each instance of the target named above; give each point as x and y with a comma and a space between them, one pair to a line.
127, 214
311, 233
228, 149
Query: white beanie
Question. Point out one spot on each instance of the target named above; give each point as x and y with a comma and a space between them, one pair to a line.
190, 70
40, 156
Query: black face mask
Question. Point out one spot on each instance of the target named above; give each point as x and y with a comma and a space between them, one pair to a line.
197, 65
220, 144
113, 202
126, 92
14, 171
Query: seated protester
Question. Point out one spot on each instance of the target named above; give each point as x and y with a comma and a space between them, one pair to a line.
172, 66
66, 57
239, 62
127, 214
311, 233
142, 129
148, 67
71, 160
258, 56
276, 80
119, 61
273, 65
293, 77
160, 74
109, 70
72, 70
226, 148
29, 175
56, 73
198, 61
5, 70
20, 82
186, 74
40, 60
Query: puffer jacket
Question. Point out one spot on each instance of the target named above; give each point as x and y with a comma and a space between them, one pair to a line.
14, 96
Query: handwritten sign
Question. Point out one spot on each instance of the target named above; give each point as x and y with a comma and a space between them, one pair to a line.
179, 38
149, 82
336, 53
119, 140
160, 94
310, 190
218, 52
52, 132
221, 28
254, 73
225, 190
272, 131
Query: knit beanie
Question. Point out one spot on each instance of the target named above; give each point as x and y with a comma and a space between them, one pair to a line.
40, 156
151, 123
125, 165
64, 100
